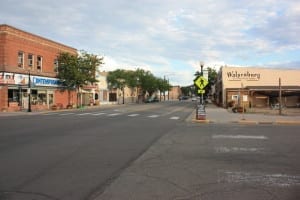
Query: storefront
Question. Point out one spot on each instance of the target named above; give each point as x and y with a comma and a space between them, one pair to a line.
19, 93
257, 87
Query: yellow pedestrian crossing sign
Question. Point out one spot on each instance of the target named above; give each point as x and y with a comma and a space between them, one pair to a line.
200, 82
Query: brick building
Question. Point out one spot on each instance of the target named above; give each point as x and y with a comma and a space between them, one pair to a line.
28, 70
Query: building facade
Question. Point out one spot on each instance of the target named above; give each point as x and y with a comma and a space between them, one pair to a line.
28, 71
257, 87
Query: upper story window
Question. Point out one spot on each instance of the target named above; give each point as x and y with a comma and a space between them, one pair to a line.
55, 65
30, 60
39, 63
21, 59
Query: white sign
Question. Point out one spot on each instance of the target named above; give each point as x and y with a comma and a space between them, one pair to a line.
245, 98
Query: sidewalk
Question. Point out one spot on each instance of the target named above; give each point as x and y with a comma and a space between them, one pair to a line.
216, 114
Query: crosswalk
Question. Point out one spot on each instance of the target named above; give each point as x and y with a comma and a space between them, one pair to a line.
227, 145
114, 114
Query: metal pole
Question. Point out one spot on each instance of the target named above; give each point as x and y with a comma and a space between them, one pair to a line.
164, 88
280, 100
123, 96
29, 92
201, 65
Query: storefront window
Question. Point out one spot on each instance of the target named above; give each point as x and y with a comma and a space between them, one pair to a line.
42, 97
13, 95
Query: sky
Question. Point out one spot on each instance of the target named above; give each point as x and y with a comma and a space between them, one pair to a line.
170, 38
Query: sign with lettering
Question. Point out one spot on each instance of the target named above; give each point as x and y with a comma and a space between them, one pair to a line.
43, 81
245, 75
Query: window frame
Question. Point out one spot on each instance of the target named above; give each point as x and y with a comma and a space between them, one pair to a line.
30, 61
20, 60
39, 63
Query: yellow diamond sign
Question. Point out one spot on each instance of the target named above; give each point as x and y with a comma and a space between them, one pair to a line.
201, 82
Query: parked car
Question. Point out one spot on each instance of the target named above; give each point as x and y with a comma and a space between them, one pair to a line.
151, 100
183, 98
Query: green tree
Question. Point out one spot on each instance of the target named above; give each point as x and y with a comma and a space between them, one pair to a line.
75, 71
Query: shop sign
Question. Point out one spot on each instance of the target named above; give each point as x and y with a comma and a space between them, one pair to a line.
22, 79
246, 75
42, 81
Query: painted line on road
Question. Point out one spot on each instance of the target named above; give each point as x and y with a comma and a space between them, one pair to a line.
84, 114
175, 118
238, 150
114, 114
153, 116
64, 114
253, 137
280, 180
51, 113
97, 114
133, 115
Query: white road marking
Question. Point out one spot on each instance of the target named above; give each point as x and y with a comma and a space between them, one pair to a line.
97, 114
237, 150
175, 118
51, 113
253, 137
63, 114
84, 114
153, 116
114, 114
281, 180
133, 115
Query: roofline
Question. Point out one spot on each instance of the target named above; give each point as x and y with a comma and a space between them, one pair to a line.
5, 27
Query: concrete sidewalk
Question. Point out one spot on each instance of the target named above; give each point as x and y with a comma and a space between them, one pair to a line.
216, 114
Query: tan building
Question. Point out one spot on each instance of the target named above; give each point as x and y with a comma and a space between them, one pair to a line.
257, 87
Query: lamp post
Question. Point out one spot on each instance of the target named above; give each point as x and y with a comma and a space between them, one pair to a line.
29, 92
201, 74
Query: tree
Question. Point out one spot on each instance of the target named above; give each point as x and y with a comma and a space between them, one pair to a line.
145, 80
75, 71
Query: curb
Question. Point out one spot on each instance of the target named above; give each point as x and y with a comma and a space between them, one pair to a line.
205, 121
279, 122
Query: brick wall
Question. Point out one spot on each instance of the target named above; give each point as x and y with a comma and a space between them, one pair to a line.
14, 40
3, 98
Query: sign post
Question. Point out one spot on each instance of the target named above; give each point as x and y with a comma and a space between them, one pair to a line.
201, 82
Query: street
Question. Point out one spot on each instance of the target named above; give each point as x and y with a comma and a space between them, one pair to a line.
146, 151
72, 155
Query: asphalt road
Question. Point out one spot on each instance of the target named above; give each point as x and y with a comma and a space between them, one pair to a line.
96, 154
74, 155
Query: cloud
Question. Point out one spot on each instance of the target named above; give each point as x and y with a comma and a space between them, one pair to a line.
154, 34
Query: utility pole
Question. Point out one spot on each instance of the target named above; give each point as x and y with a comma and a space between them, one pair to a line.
29, 92
280, 99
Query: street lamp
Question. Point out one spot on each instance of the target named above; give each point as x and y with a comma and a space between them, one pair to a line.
29, 92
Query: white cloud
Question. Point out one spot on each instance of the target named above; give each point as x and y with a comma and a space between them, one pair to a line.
152, 34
